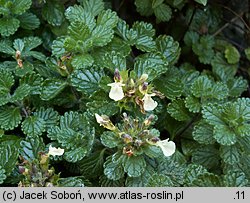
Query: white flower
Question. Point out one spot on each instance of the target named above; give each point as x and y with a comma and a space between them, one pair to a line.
148, 103
167, 147
98, 118
116, 93
55, 151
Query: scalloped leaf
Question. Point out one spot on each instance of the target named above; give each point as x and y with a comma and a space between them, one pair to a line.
169, 48
235, 179
53, 12
192, 173
8, 26
152, 64
109, 139
178, 110
21, 92
86, 80
50, 116
230, 154
51, 88
224, 135
33, 126
134, 166
113, 170
203, 133
10, 117
2, 175
28, 21
206, 156
163, 12
114, 60
93, 6
20, 6
82, 61
159, 180
31, 147
232, 54
70, 182
172, 86
193, 104
9, 152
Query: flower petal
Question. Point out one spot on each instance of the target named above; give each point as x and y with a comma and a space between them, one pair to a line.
116, 92
149, 104
55, 151
167, 147
98, 118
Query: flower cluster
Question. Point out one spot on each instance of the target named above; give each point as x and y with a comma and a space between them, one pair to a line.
131, 89
132, 136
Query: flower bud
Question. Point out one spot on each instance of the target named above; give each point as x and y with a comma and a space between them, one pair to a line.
149, 120
117, 76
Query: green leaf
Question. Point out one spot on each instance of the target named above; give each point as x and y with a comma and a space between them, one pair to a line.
29, 21
236, 86
82, 61
232, 54
34, 81
31, 147
192, 173
163, 12
114, 60
203, 133
172, 86
213, 114
247, 52
93, 6
109, 139
107, 18
70, 182
21, 92
145, 34
134, 166
144, 7
31, 43
159, 180
50, 116
207, 180
58, 47
101, 36
51, 88
2, 175
10, 117
224, 135
203, 2
6, 47
6, 81
152, 151
169, 48
191, 37
20, 6
86, 80
152, 64
53, 12
9, 152
8, 26
113, 170
103, 107
201, 86
178, 110
222, 69
75, 154
193, 104
235, 179
230, 154
33, 126
206, 42
77, 13
92, 166
206, 156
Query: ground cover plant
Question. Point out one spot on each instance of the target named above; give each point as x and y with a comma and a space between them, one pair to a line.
124, 93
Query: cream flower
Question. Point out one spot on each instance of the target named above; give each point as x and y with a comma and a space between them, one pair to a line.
116, 93
148, 103
104, 121
167, 147
55, 151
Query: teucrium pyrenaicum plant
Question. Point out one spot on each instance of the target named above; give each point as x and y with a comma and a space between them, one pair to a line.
91, 95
